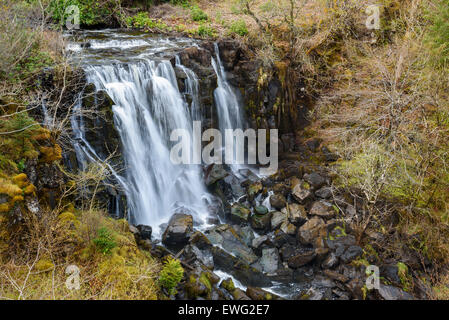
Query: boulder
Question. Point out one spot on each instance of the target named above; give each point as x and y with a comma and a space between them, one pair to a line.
315, 180
261, 210
144, 232
351, 253
179, 230
311, 231
301, 258
239, 213
260, 221
278, 201
214, 173
324, 193
393, 293
288, 228
260, 294
331, 261
301, 193
323, 209
277, 218
226, 237
296, 214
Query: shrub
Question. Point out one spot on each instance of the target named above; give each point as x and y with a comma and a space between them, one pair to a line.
197, 14
239, 27
105, 240
206, 31
171, 274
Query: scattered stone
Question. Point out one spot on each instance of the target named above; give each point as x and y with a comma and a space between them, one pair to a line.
393, 293
351, 253
315, 180
301, 259
257, 242
260, 294
309, 232
277, 218
261, 210
336, 276
260, 222
296, 214
288, 228
301, 193
179, 229
287, 251
323, 209
324, 193
278, 201
226, 237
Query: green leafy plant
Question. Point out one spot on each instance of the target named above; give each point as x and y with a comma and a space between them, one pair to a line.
197, 14
205, 30
105, 240
239, 27
171, 274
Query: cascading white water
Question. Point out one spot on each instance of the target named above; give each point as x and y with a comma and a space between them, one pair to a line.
148, 106
228, 106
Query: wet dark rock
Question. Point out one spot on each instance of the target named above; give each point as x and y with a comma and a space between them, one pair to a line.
235, 186
260, 221
144, 231
245, 233
179, 230
278, 201
240, 269
214, 173
259, 241
279, 238
315, 180
199, 240
323, 209
226, 237
239, 213
254, 189
393, 293
261, 210
281, 188
345, 241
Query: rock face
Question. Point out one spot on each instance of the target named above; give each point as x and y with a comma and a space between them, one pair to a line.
179, 230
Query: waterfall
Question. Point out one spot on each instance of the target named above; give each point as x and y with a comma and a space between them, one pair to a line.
228, 106
148, 106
